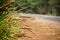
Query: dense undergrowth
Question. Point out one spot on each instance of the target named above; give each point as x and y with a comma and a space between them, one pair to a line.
10, 30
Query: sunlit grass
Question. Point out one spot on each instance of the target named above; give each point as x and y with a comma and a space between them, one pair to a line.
10, 29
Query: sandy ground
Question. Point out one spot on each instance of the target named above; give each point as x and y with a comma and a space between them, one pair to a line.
41, 30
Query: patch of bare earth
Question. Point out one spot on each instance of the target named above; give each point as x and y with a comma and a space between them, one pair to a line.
41, 30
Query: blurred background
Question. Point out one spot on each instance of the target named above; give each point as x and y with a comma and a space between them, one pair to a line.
45, 7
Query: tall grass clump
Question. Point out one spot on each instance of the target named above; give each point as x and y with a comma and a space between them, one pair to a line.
10, 29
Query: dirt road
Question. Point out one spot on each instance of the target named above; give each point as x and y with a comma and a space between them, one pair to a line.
41, 29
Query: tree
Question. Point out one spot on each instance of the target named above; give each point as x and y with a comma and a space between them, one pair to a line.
38, 6
58, 7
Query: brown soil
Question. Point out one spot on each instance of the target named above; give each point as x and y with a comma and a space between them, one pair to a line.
41, 30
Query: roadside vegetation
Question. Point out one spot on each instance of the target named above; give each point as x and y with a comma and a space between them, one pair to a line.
9, 30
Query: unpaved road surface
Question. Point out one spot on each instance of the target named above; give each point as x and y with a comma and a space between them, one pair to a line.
40, 28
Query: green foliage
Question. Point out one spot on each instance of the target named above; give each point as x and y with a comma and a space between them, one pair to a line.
3, 27
38, 6
5, 10
2, 2
7, 31
27, 3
